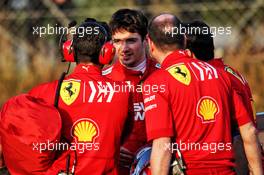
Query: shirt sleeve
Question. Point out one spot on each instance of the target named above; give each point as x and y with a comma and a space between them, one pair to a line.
241, 114
240, 85
159, 122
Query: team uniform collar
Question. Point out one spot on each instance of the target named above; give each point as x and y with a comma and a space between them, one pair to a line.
140, 67
216, 62
123, 68
149, 67
87, 68
177, 54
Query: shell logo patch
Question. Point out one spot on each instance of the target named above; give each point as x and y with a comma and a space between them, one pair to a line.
181, 73
85, 130
207, 109
70, 90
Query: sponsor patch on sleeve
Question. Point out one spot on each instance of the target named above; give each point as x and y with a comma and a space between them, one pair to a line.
232, 72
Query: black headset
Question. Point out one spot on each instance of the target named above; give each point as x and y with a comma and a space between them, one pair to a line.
67, 44
68, 53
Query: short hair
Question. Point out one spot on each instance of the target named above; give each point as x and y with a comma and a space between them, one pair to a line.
200, 43
133, 21
160, 32
88, 42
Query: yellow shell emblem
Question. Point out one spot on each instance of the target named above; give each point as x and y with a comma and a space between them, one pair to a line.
85, 130
69, 91
181, 73
207, 109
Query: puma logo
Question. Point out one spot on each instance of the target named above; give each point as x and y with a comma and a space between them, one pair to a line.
85, 67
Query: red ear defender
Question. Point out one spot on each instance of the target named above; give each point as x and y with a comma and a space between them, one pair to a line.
67, 51
107, 53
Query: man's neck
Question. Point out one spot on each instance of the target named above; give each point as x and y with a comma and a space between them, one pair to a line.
162, 55
89, 64
141, 66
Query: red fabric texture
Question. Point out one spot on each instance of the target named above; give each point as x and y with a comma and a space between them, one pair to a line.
239, 84
26, 123
194, 107
90, 107
136, 137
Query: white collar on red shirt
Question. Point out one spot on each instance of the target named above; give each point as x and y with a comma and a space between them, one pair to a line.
85, 68
141, 67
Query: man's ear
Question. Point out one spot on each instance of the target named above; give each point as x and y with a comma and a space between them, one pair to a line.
145, 42
189, 53
150, 43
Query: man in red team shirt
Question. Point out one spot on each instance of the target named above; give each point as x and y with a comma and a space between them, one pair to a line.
201, 44
129, 29
92, 119
193, 113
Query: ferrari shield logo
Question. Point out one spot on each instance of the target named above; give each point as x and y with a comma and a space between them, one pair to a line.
70, 90
181, 73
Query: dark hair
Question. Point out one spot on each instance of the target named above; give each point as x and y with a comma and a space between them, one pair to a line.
130, 20
160, 32
201, 43
89, 38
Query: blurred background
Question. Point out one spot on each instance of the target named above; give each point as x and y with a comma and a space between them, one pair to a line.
27, 59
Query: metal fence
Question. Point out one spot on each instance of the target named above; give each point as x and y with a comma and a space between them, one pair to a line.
28, 58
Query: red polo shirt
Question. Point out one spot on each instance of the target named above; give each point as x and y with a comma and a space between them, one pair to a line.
92, 119
194, 104
136, 137
239, 84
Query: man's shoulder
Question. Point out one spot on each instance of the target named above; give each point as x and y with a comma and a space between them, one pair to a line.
114, 72
45, 91
153, 65
217, 62
48, 86
238, 81
234, 74
107, 70
159, 75
110, 69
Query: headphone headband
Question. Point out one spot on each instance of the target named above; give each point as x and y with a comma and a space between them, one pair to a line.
96, 23
66, 43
